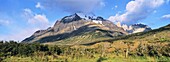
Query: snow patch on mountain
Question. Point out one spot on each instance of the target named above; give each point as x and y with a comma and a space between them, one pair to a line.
84, 17
135, 28
97, 21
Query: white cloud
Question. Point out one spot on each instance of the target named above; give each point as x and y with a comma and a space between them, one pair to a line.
166, 17
4, 22
20, 35
155, 11
27, 13
37, 20
137, 10
38, 5
28, 10
115, 7
74, 6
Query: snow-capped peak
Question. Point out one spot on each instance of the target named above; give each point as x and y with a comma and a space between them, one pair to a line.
86, 16
81, 16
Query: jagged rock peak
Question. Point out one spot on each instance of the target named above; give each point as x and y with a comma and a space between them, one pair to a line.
90, 17
71, 18
140, 25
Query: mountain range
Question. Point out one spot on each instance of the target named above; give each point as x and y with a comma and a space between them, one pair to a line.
83, 29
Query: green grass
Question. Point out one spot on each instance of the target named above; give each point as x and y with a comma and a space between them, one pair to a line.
86, 59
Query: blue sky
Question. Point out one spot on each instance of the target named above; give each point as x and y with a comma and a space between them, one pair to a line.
21, 18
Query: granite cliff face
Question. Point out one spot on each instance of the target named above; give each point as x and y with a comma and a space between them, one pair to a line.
134, 28
77, 27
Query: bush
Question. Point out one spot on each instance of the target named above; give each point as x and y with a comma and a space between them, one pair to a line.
101, 59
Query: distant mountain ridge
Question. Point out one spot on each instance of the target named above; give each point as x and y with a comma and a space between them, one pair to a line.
134, 28
77, 27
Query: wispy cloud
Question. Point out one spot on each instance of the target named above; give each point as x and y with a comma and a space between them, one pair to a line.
38, 5
4, 22
33, 23
38, 20
166, 17
115, 7
74, 6
19, 35
137, 10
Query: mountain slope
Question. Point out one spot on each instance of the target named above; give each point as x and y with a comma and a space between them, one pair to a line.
77, 28
154, 43
86, 35
157, 35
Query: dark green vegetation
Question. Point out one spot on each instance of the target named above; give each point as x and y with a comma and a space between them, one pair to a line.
118, 51
140, 47
11, 48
